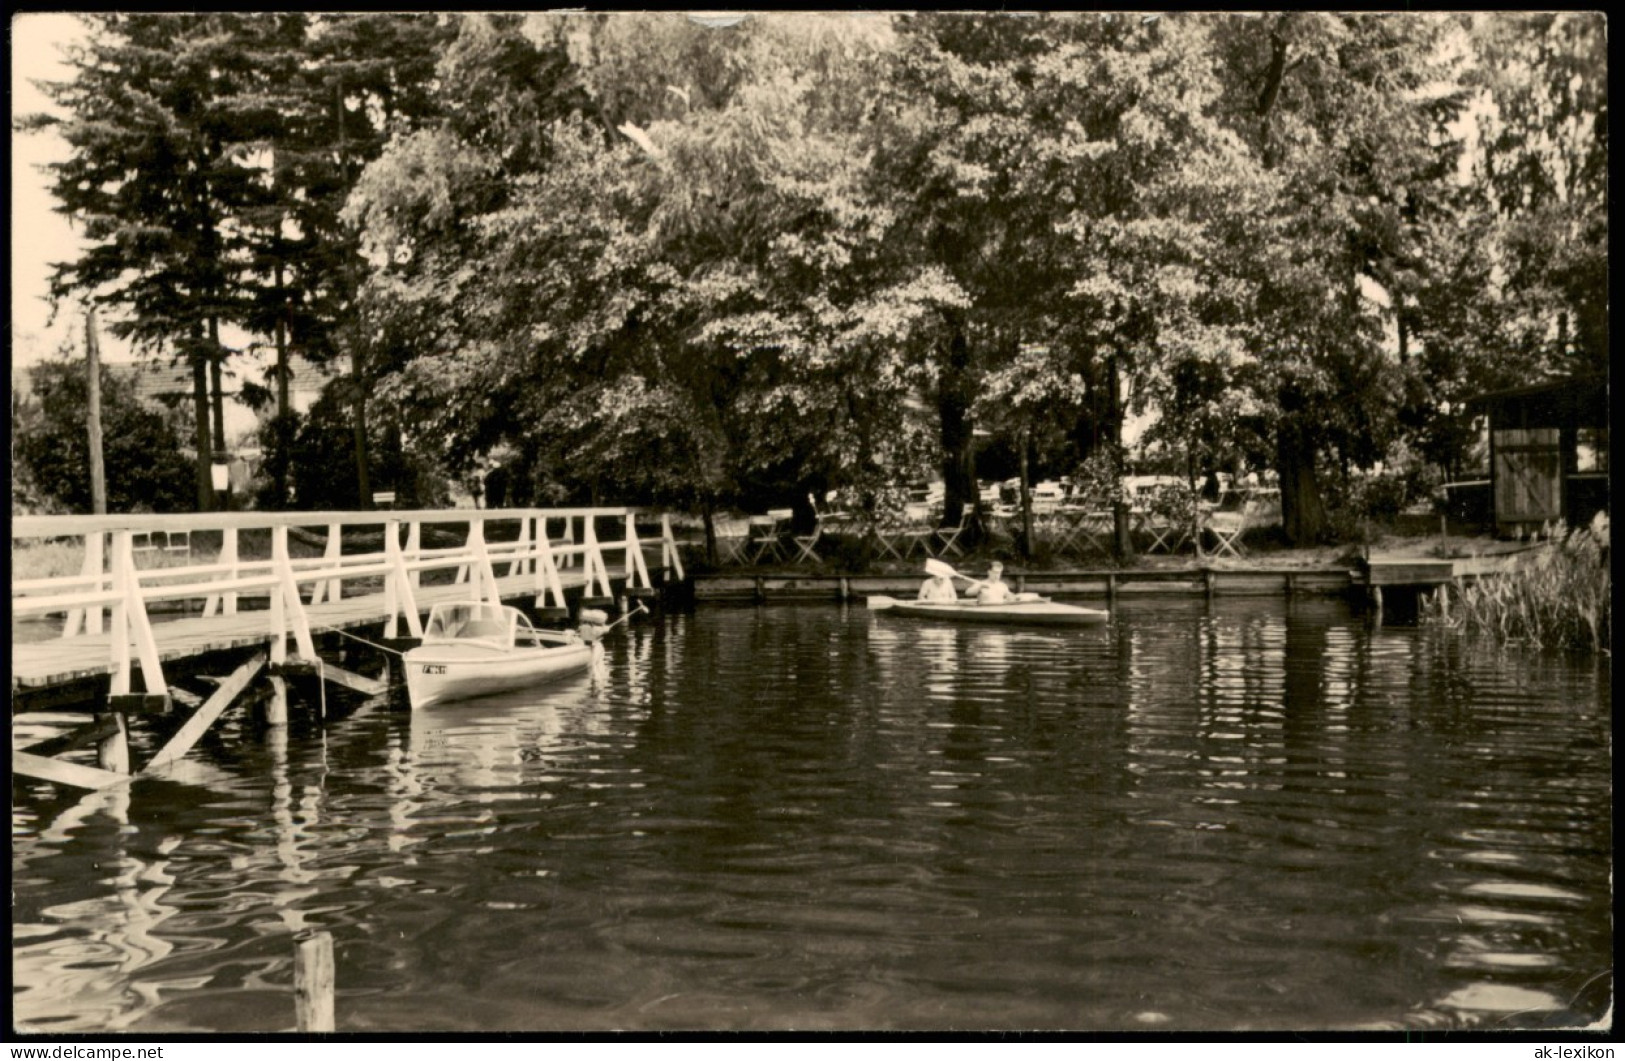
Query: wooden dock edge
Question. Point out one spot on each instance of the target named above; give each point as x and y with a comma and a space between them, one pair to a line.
1194, 582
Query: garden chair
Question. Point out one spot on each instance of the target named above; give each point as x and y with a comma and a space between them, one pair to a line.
805, 543
1226, 523
733, 540
948, 537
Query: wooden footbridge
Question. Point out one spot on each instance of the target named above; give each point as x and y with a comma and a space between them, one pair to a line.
250, 601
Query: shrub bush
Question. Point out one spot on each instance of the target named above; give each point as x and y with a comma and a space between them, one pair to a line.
1560, 596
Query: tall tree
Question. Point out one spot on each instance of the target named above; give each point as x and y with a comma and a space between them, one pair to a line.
1345, 117
1542, 161
155, 173
641, 246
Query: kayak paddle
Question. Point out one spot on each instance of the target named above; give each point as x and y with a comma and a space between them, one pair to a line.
937, 567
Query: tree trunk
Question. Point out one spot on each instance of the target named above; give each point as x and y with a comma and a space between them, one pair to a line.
363, 482
708, 512
200, 409
955, 392
217, 356
1303, 512
1026, 499
1122, 539
282, 441
93, 382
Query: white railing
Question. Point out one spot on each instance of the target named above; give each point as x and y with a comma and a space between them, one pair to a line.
124, 590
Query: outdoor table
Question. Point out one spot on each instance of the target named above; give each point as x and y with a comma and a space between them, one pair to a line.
765, 534
898, 541
1082, 528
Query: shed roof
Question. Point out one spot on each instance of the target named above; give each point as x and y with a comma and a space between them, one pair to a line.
1578, 399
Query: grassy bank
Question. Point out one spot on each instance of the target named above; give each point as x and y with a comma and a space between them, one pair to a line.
1559, 597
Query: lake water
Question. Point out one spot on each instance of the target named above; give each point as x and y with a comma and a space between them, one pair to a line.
1248, 815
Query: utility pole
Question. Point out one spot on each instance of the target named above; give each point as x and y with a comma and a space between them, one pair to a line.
93, 370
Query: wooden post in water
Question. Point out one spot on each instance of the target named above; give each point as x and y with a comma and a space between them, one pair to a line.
113, 751
276, 708
313, 980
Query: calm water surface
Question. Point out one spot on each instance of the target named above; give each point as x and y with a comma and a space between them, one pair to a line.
1254, 815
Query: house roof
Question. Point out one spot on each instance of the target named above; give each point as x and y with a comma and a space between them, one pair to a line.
160, 381
308, 377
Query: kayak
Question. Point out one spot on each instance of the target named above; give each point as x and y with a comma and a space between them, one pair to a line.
1028, 611
473, 649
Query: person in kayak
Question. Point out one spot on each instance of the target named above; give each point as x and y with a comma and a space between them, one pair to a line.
939, 589
993, 590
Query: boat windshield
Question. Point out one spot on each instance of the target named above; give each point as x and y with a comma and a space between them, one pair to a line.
470, 622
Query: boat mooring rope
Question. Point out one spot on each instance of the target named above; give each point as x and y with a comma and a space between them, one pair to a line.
353, 637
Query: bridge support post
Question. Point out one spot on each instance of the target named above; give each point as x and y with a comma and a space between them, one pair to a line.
547, 572
520, 564
287, 607
89, 618
225, 603
331, 558
569, 538
670, 557
637, 569
130, 621
398, 585
595, 570
483, 576
414, 548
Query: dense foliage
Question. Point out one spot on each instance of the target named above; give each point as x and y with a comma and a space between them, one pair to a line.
145, 468
640, 257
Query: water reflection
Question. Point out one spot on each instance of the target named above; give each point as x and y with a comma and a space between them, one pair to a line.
1250, 815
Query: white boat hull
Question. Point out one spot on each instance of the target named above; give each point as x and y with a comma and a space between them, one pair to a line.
437, 674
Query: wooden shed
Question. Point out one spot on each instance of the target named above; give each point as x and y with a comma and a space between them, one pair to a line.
1548, 452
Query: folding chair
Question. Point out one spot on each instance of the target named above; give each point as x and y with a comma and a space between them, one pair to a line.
733, 539
1226, 527
1086, 532
1161, 534
949, 536
804, 544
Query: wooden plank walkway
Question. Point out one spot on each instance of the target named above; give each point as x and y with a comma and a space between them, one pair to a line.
1426, 572
62, 660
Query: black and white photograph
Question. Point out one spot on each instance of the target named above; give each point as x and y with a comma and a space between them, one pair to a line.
825, 524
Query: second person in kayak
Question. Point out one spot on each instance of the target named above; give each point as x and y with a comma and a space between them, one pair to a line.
993, 590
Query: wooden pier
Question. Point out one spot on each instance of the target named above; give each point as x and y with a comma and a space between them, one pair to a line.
552, 559
1109, 584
